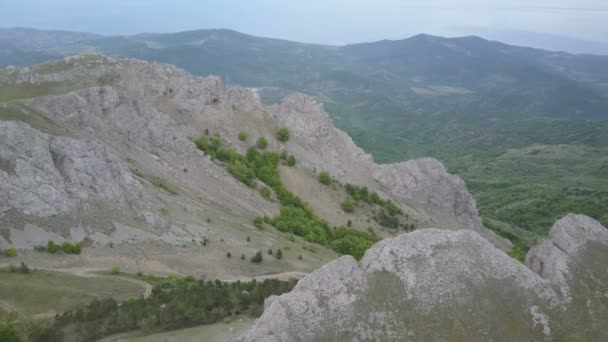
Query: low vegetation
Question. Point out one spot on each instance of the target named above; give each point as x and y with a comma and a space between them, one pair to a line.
262, 143
283, 135
295, 217
325, 178
11, 252
243, 136
54, 248
175, 303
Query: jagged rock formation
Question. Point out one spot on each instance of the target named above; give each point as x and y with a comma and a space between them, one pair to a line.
442, 285
127, 158
46, 175
427, 181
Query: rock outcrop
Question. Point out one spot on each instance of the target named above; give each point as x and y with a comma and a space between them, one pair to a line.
558, 258
428, 182
440, 285
43, 176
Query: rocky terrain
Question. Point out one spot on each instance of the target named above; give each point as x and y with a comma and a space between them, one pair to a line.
452, 286
99, 151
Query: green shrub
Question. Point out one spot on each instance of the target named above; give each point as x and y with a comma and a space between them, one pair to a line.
352, 242
302, 222
52, 247
283, 135
11, 252
265, 192
325, 178
240, 170
243, 136
69, 248
257, 258
259, 222
348, 205
115, 269
291, 161
262, 143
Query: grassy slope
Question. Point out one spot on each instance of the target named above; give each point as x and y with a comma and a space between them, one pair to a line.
40, 291
213, 332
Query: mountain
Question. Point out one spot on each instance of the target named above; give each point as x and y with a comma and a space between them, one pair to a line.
519, 125
144, 168
125, 155
445, 286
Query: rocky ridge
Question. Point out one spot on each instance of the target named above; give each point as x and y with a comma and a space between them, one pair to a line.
444, 285
140, 117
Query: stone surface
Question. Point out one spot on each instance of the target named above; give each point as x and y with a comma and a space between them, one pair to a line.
437, 285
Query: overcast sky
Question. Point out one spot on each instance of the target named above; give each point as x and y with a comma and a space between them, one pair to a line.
319, 21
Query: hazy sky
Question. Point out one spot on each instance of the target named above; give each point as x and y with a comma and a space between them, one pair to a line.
320, 21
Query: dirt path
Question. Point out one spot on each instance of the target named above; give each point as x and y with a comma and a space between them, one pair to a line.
89, 272
279, 276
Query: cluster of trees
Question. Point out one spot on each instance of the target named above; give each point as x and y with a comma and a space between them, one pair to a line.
247, 169
66, 247
351, 242
362, 193
175, 303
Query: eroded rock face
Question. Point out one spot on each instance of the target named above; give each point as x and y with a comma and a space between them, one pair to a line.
45, 175
436, 285
428, 182
318, 143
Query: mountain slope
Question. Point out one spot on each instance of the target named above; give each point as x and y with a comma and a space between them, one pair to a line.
106, 158
469, 102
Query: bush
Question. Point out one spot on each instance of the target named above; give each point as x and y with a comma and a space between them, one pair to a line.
240, 170
348, 205
352, 242
259, 222
52, 247
69, 248
279, 254
243, 136
115, 269
257, 258
283, 135
228, 255
291, 161
262, 143
325, 178
265, 192
11, 252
